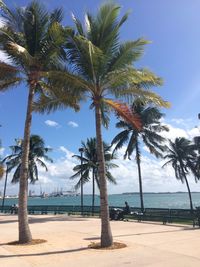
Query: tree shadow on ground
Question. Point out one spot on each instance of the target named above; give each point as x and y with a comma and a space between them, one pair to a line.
36, 219
54, 218
184, 228
45, 253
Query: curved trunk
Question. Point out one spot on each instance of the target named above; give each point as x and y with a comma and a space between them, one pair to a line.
4, 191
93, 190
106, 234
187, 184
139, 175
81, 184
24, 230
190, 196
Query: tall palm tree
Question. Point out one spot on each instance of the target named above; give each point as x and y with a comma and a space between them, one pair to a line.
90, 165
1, 165
37, 152
149, 134
182, 156
32, 38
101, 67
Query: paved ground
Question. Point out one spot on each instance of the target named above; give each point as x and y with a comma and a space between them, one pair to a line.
68, 238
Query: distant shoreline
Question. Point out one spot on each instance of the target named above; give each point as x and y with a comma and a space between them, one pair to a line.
125, 193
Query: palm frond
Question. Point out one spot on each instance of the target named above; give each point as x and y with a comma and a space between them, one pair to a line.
128, 53
123, 111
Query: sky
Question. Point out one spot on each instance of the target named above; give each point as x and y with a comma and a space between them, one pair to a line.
173, 28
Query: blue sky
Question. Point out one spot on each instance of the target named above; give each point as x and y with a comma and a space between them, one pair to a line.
174, 54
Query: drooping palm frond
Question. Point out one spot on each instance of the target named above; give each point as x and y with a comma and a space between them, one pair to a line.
124, 111
1, 170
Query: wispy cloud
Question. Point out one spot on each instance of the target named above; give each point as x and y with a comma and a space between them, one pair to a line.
52, 123
154, 177
73, 124
2, 149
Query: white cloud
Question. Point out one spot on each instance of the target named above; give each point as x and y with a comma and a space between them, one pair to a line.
154, 177
73, 124
174, 132
2, 149
52, 123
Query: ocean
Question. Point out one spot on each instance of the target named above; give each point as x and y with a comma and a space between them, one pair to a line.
151, 200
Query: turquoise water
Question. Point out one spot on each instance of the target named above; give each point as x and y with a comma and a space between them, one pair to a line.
151, 200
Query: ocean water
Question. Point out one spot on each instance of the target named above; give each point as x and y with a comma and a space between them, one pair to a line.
151, 200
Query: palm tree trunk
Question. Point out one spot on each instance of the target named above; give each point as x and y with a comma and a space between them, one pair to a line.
106, 234
190, 196
24, 230
4, 191
139, 175
93, 190
187, 184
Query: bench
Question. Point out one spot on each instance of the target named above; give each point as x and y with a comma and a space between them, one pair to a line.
184, 215
166, 215
149, 214
51, 209
37, 209
6, 209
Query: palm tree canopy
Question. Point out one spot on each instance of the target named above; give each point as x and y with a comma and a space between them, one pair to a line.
182, 156
101, 66
33, 40
37, 152
150, 117
90, 162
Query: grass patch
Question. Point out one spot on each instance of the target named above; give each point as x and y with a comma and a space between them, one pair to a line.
115, 245
33, 242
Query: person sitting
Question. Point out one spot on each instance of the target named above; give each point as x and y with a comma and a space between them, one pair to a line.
125, 211
14, 209
126, 208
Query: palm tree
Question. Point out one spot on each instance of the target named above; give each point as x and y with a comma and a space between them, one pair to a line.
37, 152
182, 156
90, 164
32, 38
149, 134
1, 165
100, 66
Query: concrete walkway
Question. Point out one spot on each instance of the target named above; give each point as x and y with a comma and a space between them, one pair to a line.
68, 238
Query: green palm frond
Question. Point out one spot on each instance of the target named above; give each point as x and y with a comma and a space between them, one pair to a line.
42, 164
120, 139
110, 178
103, 30
37, 152
90, 163
131, 145
131, 77
128, 53
9, 76
182, 156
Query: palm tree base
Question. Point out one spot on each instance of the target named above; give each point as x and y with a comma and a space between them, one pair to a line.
115, 245
32, 242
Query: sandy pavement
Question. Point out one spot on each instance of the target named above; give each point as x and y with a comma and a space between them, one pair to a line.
68, 237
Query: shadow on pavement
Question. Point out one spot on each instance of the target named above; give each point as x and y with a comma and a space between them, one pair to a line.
45, 253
